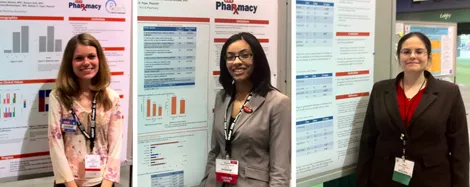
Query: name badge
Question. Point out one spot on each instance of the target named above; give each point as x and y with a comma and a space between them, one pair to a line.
69, 125
226, 171
403, 171
92, 166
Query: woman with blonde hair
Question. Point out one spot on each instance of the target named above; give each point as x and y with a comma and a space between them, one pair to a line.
84, 118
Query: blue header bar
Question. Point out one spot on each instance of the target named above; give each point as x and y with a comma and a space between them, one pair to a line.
167, 174
309, 76
153, 28
314, 120
430, 30
315, 3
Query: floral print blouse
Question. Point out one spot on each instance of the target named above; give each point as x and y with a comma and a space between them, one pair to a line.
69, 149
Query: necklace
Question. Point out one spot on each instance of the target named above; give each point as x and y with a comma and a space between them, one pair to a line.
403, 84
240, 98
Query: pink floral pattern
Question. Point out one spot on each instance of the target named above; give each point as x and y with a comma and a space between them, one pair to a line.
111, 173
56, 133
69, 149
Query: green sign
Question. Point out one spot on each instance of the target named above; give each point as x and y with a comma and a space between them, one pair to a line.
453, 16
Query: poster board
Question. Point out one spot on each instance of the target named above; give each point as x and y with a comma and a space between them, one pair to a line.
36, 34
170, 127
443, 38
339, 74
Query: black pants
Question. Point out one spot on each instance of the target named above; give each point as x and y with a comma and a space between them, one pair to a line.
63, 185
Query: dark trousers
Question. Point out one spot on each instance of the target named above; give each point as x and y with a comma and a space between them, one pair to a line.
63, 185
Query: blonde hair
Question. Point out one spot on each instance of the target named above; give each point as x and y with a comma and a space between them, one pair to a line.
67, 82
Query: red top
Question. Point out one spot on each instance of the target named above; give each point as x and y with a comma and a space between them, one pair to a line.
407, 107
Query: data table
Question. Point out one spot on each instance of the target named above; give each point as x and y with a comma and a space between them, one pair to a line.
169, 56
314, 86
314, 135
172, 179
314, 24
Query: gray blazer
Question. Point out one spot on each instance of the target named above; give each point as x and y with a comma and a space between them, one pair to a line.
261, 142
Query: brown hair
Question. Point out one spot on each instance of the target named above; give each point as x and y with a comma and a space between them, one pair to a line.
421, 36
67, 82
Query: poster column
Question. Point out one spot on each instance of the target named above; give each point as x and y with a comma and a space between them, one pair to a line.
334, 75
172, 85
179, 44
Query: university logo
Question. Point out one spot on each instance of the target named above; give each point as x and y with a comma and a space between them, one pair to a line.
229, 5
113, 8
78, 4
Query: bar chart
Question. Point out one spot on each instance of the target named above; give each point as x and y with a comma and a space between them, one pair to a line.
156, 151
152, 109
8, 99
49, 43
35, 45
175, 106
20, 42
182, 105
9, 104
156, 157
44, 100
167, 158
172, 109
9, 112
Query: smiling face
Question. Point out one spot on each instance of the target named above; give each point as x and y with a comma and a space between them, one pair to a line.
414, 56
239, 59
85, 62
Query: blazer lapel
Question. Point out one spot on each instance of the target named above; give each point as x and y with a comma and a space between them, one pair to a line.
426, 100
429, 96
227, 108
391, 105
255, 102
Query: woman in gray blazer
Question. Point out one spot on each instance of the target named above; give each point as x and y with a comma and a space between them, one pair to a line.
251, 136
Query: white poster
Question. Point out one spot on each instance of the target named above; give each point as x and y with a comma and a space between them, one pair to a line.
334, 75
179, 44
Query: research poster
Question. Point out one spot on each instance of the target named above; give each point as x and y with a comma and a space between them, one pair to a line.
35, 34
178, 70
443, 42
334, 77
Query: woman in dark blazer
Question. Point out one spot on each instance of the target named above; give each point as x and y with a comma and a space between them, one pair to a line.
260, 138
418, 118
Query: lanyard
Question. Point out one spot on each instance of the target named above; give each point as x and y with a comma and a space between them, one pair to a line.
229, 132
407, 112
92, 134
404, 136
